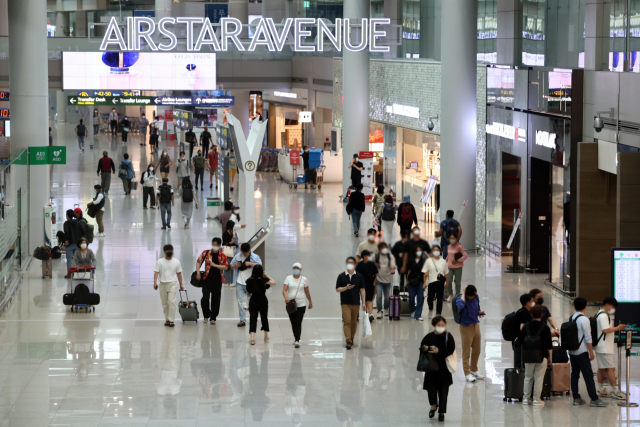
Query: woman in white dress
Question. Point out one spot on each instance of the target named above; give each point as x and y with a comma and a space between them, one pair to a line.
296, 288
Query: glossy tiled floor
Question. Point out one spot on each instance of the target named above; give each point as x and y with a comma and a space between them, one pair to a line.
120, 366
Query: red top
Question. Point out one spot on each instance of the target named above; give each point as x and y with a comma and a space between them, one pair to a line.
222, 260
212, 157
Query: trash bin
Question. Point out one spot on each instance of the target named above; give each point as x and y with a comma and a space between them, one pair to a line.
214, 207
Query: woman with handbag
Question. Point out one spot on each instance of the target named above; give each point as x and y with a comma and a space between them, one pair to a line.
212, 280
296, 294
441, 347
257, 286
436, 279
126, 173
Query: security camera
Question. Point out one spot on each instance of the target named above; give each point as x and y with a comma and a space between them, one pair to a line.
598, 124
430, 125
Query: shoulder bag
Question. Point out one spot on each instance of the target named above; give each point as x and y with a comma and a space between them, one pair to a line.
228, 252
452, 359
427, 362
124, 169
292, 306
439, 277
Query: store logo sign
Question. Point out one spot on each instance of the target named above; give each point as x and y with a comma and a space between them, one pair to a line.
546, 139
304, 117
507, 131
285, 94
404, 110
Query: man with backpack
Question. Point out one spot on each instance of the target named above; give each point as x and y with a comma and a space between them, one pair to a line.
72, 233
98, 207
605, 348
535, 340
576, 337
198, 166
448, 227
183, 168
388, 219
467, 313
514, 323
106, 167
406, 214
81, 131
165, 198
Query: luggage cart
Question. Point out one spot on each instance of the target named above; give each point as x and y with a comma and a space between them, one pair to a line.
82, 275
294, 183
320, 176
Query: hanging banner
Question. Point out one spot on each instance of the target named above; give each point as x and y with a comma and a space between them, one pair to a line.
366, 158
515, 229
428, 189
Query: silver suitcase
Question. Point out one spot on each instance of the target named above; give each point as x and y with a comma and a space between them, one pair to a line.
188, 309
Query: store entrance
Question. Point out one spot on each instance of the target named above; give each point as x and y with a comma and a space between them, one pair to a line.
511, 170
540, 220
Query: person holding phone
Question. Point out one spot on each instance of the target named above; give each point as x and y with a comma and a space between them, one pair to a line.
351, 287
469, 308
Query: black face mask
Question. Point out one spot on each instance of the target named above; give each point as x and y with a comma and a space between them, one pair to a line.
199, 154
169, 254
540, 301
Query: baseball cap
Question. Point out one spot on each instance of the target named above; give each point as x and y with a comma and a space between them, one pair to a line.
77, 210
297, 264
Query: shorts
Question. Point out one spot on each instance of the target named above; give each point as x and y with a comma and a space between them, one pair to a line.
213, 172
369, 292
143, 131
232, 172
164, 170
605, 360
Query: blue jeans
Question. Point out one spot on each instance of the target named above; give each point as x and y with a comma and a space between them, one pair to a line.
165, 211
355, 217
382, 288
581, 363
416, 291
81, 141
71, 249
241, 292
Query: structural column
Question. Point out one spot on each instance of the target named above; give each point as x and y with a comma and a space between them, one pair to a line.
458, 117
163, 8
275, 9
509, 42
393, 11
61, 106
240, 109
29, 101
596, 41
62, 20
430, 24
81, 29
355, 75
240, 9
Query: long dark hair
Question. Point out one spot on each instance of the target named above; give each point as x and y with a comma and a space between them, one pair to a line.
238, 215
257, 272
253, 282
230, 225
186, 182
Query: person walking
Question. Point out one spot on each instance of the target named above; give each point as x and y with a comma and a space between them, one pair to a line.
215, 265
386, 265
244, 262
399, 250
369, 244
534, 372
72, 234
351, 286
387, 218
190, 138
455, 260
436, 277
448, 227
356, 205
416, 284
441, 344
81, 132
406, 214
229, 241
106, 167
148, 180
212, 165
142, 126
376, 206
468, 306
257, 286
198, 167
305, 165
183, 168
99, 202
166, 199
113, 121
169, 272
188, 199
96, 122
296, 289
153, 136
206, 142
226, 214
356, 167
164, 163
126, 173
233, 167
522, 317
126, 127
369, 271
235, 217
83, 256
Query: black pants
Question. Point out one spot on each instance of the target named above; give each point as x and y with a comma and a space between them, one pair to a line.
438, 396
191, 151
124, 136
146, 193
296, 322
211, 296
261, 307
199, 173
205, 150
114, 127
406, 227
517, 355
435, 290
581, 363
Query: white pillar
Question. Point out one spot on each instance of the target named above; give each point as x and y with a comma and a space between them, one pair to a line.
240, 109
458, 117
240, 9
61, 106
355, 75
29, 100
81, 29
163, 8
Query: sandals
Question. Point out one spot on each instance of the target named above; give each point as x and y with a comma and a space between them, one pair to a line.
167, 323
171, 324
241, 324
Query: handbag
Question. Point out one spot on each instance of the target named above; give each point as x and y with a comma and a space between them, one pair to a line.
440, 277
427, 362
452, 359
194, 279
228, 251
123, 169
292, 306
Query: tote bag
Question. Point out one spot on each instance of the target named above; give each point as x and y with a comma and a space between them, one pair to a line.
452, 359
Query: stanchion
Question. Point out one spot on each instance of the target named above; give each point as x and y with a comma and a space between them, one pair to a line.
619, 376
626, 403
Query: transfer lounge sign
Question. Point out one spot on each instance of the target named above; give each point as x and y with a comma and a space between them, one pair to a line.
49, 155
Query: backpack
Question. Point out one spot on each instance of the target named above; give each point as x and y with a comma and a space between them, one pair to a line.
532, 349
41, 253
454, 308
81, 294
569, 335
83, 227
165, 193
406, 214
187, 195
378, 258
450, 228
594, 328
82, 129
388, 213
510, 326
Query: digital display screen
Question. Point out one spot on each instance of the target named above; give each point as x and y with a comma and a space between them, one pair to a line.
501, 86
138, 71
4, 96
4, 113
626, 274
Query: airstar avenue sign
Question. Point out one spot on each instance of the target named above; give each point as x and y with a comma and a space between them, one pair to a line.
354, 35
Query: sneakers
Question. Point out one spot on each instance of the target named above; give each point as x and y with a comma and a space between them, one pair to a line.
371, 318
349, 344
296, 344
420, 319
380, 315
526, 401
206, 318
580, 401
599, 403
604, 393
477, 375
449, 298
470, 378
430, 314
99, 235
538, 402
618, 395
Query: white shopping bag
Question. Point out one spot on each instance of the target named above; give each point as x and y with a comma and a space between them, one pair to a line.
366, 325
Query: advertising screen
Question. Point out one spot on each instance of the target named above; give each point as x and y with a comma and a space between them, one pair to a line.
138, 71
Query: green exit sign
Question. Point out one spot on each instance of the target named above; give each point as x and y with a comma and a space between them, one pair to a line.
306, 3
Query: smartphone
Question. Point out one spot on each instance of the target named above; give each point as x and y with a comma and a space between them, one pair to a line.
432, 347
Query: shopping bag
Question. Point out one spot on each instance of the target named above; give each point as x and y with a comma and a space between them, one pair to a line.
366, 325
427, 362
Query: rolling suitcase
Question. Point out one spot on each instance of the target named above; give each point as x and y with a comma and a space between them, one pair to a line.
513, 384
404, 304
188, 309
546, 385
394, 307
561, 378
559, 355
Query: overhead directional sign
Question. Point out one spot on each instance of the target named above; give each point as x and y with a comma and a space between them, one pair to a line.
183, 119
110, 100
108, 93
186, 101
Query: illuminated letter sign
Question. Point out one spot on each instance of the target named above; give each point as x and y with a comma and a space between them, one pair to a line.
546, 139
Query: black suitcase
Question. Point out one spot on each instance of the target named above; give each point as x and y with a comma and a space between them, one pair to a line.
68, 299
559, 355
547, 385
513, 384
188, 309
94, 299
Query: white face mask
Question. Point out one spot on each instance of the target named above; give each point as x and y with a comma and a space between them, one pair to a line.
83, 246
440, 329
612, 311
215, 248
150, 169
418, 254
453, 242
533, 304
350, 267
384, 251
236, 211
296, 271
371, 238
436, 253
416, 232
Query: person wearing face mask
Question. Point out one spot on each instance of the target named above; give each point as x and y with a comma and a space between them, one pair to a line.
244, 261
415, 282
215, 264
183, 169
166, 200
148, 180
605, 349
106, 167
546, 314
198, 166
142, 126
355, 208
153, 136
113, 121
468, 306
369, 271
126, 173
83, 256
188, 200
406, 214
169, 271
440, 344
205, 141
368, 245
164, 163
96, 122
356, 167
436, 279
126, 127
398, 250
296, 288
448, 227
233, 167
386, 269
190, 138
523, 315
99, 202
455, 260
413, 245
387, 218
235, 217
351, 287
376, 206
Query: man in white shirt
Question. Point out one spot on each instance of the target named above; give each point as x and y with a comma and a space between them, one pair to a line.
605, 349
244, 261
169, 271
99, 201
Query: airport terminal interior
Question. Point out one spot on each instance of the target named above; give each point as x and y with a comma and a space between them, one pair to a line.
516, 122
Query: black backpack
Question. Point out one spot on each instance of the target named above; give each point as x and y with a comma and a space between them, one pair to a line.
41, 253
594, 328
81, 294
187, 195
510, 326
532, 348
165, 193
451, 228
569, 335
388, 213
82, 129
